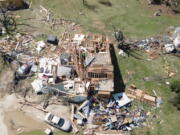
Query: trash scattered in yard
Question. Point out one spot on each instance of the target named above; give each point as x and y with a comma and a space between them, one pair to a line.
154, 46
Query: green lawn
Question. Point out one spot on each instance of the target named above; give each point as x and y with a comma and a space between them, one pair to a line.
168, 119
132, 16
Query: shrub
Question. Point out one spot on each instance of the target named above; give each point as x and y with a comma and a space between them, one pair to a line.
157, 1
175, 85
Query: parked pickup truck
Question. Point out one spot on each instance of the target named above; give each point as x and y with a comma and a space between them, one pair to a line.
58, 122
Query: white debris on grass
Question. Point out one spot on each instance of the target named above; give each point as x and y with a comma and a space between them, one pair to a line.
169, 48
122, 53
40, 46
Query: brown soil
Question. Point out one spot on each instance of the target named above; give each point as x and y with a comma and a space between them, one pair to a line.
17, 121
6, 77
16, 118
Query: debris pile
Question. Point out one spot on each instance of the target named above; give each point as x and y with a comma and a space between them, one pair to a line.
102, 114
140, 95
77, 66
154, 46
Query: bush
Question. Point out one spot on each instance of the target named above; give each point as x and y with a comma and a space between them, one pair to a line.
157, 1
175, 85
176, 101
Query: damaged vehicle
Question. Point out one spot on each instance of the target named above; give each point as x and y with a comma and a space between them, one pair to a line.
58, 122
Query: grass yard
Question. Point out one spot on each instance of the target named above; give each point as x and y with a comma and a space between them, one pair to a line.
132, 16
167, 122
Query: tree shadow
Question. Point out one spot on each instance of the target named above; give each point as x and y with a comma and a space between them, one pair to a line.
106, 3
119, 85
129, 51
134, 54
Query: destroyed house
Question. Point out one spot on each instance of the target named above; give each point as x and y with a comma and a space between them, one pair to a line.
101, 67
97, 63
86, 59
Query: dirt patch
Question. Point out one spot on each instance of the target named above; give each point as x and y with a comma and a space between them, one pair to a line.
18, 121
6, 79
16, 118
7, 103
60, 110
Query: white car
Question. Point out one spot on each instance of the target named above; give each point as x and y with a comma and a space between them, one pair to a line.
58, 122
